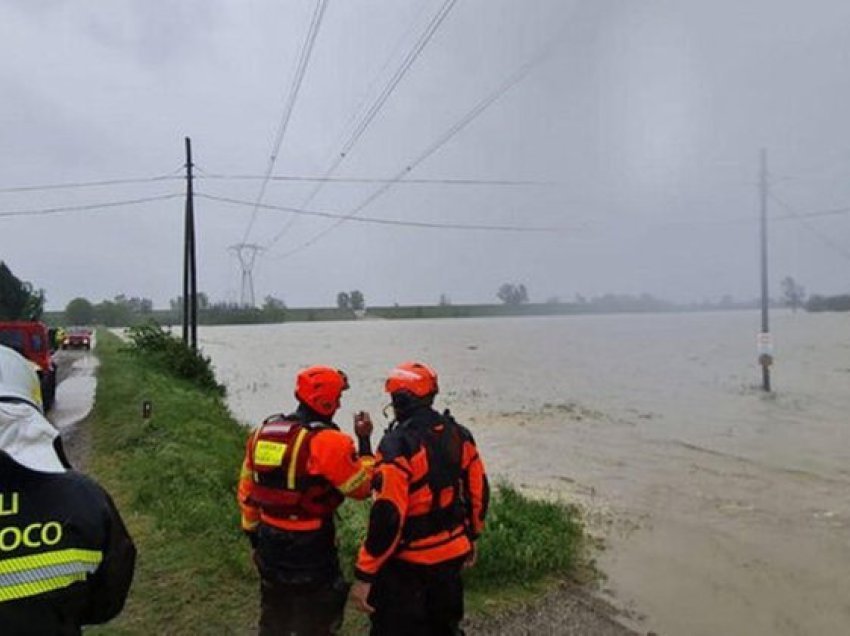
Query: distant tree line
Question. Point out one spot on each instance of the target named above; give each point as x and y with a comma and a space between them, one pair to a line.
828, 303
794, 296
123, 311
119, 312
19, 299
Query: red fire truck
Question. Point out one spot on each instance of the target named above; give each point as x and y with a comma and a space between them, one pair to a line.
31, 340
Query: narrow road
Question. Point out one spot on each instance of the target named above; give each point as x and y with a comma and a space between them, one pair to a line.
74, 401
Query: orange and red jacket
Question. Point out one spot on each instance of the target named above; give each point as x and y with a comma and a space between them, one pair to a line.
430, 494
297, 473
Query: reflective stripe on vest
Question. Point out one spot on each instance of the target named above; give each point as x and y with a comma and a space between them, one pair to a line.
38, 573
293, 461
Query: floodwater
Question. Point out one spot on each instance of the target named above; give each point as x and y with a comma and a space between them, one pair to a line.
723, 510
76, 389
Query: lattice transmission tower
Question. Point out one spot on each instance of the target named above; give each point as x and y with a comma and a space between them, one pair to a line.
246, 254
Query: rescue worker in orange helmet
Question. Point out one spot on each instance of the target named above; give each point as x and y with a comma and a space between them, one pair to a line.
298, 469
66, 558
430, 501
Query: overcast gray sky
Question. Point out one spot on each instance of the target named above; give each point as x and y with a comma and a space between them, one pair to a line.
648, 116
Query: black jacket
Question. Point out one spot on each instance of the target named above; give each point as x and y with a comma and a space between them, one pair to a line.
66, 558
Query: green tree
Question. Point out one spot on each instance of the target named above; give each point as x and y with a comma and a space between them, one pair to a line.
79, 312
512, 294
274, 309
18, 299
273, 304
343, 300
357, 300
793, 293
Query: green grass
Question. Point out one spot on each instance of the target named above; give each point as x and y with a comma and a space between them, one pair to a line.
174, 479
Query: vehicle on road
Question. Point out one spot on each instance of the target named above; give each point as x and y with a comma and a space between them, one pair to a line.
78, 338
31, 340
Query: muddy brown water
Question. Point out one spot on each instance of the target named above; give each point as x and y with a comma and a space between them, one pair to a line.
724, 510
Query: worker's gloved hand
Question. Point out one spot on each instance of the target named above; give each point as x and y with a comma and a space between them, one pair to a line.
359, 596
472, 557
362, 424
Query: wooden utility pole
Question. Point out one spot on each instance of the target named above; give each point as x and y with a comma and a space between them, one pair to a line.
190, 279
764, 343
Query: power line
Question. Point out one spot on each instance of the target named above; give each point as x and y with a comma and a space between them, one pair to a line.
450, 133
395, 50
327, 179
376, 106
247, 177
826, 239
793, 214
815, 214
396, 222
87, 184
301, 69
803, 219
88, 207
408, 61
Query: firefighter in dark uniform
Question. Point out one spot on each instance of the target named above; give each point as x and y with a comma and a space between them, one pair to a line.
298, 469
66, 559
430, 500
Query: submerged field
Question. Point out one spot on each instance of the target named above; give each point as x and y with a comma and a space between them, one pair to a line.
724, 510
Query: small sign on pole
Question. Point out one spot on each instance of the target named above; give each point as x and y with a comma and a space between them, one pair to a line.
764, 346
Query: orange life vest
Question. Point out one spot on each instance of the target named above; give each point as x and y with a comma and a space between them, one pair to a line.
282, 486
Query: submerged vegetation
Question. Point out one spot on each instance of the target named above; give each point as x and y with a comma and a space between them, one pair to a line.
174, 476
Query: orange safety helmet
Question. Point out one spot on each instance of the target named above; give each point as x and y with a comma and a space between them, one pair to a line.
320, 388
417, 378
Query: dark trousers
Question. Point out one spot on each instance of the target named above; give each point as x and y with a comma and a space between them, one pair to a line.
417, 600
302, 610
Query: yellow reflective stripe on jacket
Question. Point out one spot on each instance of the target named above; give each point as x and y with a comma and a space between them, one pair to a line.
245, 472
57, 557
353, 482
24, 590
250, 525
38, 573
293, 460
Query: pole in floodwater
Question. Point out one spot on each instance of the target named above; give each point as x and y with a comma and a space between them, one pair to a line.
765, 348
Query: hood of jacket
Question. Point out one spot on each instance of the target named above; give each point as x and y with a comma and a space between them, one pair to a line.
28, 438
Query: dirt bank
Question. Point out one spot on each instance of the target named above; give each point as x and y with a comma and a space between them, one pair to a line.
566, 610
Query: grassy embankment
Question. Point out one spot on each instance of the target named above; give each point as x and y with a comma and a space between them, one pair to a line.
174, 475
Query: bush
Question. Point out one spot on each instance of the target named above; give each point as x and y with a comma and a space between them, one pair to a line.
525, 541
150, 342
